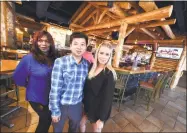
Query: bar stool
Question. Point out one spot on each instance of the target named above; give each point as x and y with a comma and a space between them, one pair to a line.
168, 81
6, 90
120, 86
150, 89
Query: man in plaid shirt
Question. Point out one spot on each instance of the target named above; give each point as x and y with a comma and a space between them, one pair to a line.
67, 82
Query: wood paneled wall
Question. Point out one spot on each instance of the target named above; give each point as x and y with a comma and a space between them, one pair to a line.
169, 64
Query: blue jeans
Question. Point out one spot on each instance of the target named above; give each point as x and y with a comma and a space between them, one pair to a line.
73, 113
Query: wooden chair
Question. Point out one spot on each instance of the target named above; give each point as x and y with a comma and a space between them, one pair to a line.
120, 87
150, 89
168, 81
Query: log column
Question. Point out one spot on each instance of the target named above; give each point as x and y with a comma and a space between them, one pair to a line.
119, 48
153, 57
179, 69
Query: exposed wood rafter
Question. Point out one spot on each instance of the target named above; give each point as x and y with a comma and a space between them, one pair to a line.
87, 18
149, 33
118, 11
157, 23
101, 16
150, 6
81, 13
143, 17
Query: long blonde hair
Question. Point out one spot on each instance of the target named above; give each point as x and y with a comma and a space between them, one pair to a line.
108, 64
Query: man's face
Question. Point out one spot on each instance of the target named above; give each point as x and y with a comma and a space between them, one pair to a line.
78, 47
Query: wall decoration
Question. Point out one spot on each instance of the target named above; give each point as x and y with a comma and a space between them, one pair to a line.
169, 52
59, 36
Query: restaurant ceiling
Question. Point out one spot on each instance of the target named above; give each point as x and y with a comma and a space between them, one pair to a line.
61, 12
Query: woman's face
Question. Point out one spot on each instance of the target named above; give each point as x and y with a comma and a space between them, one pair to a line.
43, 44
104, 55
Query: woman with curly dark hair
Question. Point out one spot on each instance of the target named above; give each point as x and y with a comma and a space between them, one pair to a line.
34, 73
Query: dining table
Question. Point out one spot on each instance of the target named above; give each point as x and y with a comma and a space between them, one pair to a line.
7, 68
19, 53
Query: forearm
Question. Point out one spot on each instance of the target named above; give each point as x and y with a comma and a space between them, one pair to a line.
54, 104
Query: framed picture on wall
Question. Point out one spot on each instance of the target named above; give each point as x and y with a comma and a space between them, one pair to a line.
169, 52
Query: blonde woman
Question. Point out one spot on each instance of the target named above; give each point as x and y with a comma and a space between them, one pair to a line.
98, 89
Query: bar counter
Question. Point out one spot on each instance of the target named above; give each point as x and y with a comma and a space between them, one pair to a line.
141, 70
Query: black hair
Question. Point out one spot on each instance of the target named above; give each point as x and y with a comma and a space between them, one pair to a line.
78, 35
89, 48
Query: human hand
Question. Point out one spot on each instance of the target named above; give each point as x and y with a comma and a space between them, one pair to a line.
83, 120
55, 119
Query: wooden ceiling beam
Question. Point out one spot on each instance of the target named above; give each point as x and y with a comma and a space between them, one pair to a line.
105, 20
143, 17
104, 30
111, 15
103, 3
82, 6
124, 5
158, 23
98, 6
129, 31
88, 17
72, 26
132, 12
97, 17
149, 33
101, 16
118, 11
150, 6
168, 31
82, 13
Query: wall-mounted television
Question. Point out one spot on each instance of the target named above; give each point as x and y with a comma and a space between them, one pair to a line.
169, 52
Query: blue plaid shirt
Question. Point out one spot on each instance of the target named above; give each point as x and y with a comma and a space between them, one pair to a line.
67, 82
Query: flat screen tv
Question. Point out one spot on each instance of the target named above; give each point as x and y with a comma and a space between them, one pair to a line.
169, 52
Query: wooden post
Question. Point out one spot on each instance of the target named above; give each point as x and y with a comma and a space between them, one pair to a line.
179, 68
119, 48
5, 20
153, 57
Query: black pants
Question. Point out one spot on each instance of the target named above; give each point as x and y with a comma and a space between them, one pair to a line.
44, 117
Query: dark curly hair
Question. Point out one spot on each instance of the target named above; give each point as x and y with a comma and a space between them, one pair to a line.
38, 54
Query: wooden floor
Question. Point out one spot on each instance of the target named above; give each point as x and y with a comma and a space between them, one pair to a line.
168, 114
